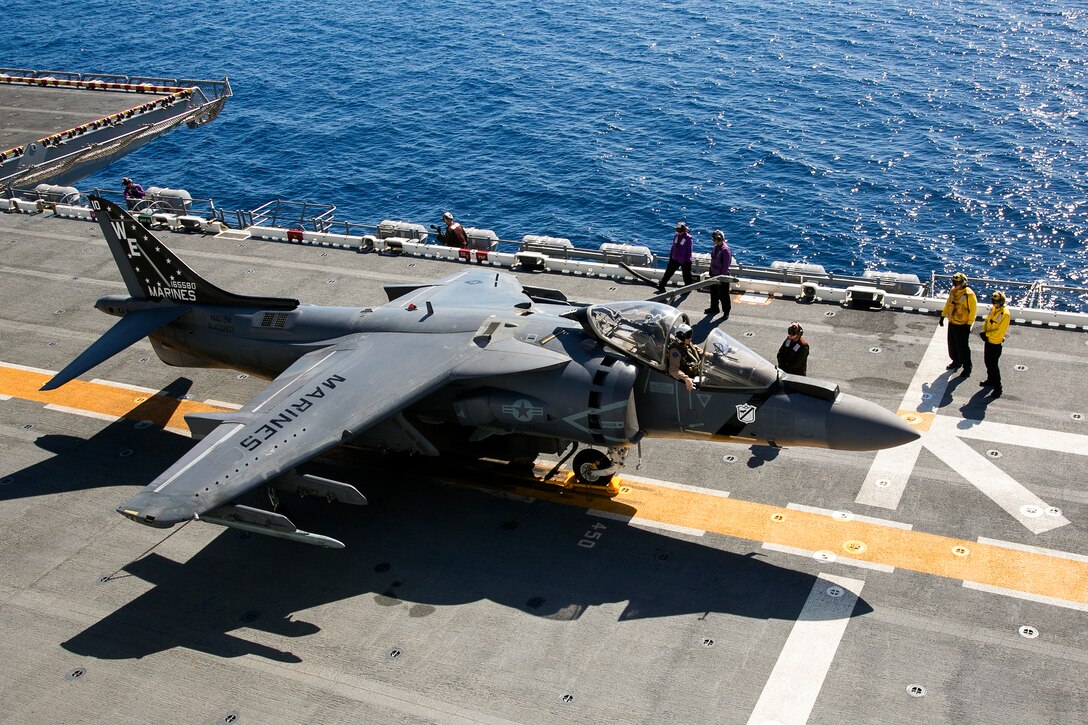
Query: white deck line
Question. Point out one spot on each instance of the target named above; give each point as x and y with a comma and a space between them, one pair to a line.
28, 369
930, 379
84, 413
1016, 435
646, 523
837, 560
675, 486
1033, 549
125, 386
853, 516
997, 485
1053, 601
222, 404
893, 466
798, 675
106, 417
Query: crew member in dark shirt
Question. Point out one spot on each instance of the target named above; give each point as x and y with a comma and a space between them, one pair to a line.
454, 235
793, 355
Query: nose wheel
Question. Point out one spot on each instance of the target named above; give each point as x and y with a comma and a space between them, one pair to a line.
594, 468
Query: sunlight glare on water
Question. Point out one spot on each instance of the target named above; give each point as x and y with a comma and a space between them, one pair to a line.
910, 136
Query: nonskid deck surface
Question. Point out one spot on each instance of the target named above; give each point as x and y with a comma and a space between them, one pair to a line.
32, 113
945, 581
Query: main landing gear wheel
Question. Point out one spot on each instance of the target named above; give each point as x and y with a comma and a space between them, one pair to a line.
593, 468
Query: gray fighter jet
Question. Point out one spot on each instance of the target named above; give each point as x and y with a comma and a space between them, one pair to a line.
475, 363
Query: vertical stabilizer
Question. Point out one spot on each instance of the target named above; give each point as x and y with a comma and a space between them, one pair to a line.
152, 272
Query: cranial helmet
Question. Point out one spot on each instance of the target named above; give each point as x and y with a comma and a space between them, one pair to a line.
959, 278
998, 298
795, 329
717, 235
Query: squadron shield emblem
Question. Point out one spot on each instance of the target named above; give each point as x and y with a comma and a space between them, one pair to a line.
746, 413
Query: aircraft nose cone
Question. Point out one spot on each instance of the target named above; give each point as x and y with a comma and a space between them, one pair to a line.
858, 425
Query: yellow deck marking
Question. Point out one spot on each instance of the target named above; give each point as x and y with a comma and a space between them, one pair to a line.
997, 566
119, 402
960, 559
918, 421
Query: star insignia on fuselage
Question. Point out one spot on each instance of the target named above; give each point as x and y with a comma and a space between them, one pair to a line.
522, 410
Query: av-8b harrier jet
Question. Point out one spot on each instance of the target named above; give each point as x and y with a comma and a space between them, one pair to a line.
475, 363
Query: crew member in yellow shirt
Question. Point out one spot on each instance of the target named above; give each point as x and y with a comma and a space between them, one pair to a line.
993, 332
960, 309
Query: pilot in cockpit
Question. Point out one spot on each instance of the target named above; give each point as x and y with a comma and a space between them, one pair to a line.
684, 358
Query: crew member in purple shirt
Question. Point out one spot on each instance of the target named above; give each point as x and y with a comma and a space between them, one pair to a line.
133, 192
679, 256
721, 257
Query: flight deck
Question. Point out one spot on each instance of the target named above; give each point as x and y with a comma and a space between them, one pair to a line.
945, 580
59, 127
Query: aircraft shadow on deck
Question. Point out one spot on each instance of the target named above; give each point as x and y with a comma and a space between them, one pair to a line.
419, 546
80, 464
416, 547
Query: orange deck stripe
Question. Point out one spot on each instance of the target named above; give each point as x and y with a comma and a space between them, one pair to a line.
1033, 573
161, 410
1030, 572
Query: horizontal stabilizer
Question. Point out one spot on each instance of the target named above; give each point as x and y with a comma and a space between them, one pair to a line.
393, 291
309, 485
201, 424
545, 293
130, 329
267, 523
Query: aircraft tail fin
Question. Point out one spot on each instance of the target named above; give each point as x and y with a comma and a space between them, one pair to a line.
152, 271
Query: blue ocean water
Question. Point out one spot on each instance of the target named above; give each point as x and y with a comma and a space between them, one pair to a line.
912, 135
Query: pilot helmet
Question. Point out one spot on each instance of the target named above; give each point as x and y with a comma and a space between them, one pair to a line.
959, 278
682, 332
998, 298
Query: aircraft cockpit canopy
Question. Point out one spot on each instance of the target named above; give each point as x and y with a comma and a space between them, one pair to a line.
729, 364
643, 331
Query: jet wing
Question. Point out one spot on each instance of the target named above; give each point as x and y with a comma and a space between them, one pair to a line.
473, 288
326, 398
